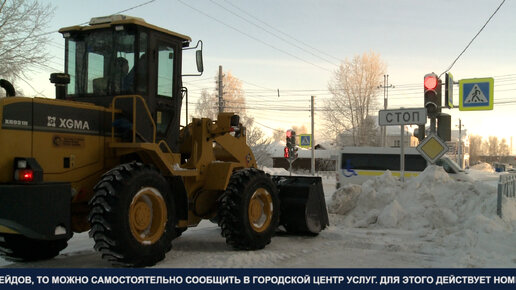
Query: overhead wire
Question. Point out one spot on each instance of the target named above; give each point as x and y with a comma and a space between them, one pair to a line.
473, 39
252, 37
281, 32
272, 33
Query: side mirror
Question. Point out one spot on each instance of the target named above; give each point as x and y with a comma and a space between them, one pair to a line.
198, 59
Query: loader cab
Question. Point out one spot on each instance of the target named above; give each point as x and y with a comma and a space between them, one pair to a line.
122, 55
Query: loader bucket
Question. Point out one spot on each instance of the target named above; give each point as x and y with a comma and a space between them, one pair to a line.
302, 204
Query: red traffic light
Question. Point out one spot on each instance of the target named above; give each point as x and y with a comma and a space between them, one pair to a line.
431, 82
286, 155
289, 133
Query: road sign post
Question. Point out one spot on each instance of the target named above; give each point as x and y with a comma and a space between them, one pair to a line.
402, 117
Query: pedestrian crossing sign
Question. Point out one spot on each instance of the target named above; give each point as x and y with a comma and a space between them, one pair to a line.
305, 140
476, 94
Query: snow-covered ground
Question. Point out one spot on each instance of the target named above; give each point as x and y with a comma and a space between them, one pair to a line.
430, 221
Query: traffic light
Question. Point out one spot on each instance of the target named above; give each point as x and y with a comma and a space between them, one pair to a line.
444, 127
419, 132
432, 86
291, 138
291, 150
286, 153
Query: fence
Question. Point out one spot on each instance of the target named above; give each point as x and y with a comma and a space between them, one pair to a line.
507, 187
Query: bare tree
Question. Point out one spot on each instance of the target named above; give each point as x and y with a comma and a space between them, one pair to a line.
504, 148
493, 146
354, 89
278, 135
206, 106
22, 40
475, 148
300, 129
233, 94
234, 101
259, 143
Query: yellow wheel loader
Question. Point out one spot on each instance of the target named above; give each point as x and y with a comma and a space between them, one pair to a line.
109, 155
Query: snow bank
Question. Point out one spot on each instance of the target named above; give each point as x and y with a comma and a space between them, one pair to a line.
457, 220
483, 167
275, 171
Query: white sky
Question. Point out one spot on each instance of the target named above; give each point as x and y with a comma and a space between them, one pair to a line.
412, 37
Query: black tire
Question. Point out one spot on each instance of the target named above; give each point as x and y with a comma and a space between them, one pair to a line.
249, 191
18, 248
180, 231
132, 216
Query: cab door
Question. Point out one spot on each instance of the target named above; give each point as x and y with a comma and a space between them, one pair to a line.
167, 82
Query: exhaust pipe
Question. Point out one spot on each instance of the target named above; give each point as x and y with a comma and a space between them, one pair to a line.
8, 87
60, 80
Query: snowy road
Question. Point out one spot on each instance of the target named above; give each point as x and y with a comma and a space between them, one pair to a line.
430, 221
203, 247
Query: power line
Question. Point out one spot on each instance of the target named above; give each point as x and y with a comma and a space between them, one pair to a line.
279, 31
272, 33
84, 23
134, 7
252, 37
467, 46
267, 126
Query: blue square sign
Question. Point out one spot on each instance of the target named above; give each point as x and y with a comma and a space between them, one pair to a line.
305, 140
476, 94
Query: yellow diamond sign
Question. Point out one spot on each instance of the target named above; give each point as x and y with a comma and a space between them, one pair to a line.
432, 148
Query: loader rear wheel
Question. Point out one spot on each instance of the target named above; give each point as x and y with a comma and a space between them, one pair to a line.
249, 210
19, 248
132, 218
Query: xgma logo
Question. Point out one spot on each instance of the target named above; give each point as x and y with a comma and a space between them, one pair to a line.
67, 123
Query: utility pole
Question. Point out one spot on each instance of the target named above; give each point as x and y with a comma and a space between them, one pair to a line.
460, 144
385, 88
221, 91
312, 167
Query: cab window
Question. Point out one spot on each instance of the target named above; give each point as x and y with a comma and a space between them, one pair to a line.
165, 70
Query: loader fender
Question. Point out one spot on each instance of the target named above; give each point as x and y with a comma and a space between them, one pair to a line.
303, 207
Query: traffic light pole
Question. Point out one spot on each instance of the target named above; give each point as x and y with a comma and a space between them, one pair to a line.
312, 162
433, 125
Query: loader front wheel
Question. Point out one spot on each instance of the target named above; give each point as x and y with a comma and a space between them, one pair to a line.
249, 210
132, 218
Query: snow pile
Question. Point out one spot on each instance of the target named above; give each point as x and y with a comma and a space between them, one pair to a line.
275, 171
457, 220
483, 167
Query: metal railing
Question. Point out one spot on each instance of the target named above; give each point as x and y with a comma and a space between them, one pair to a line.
507, 188
149, 115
